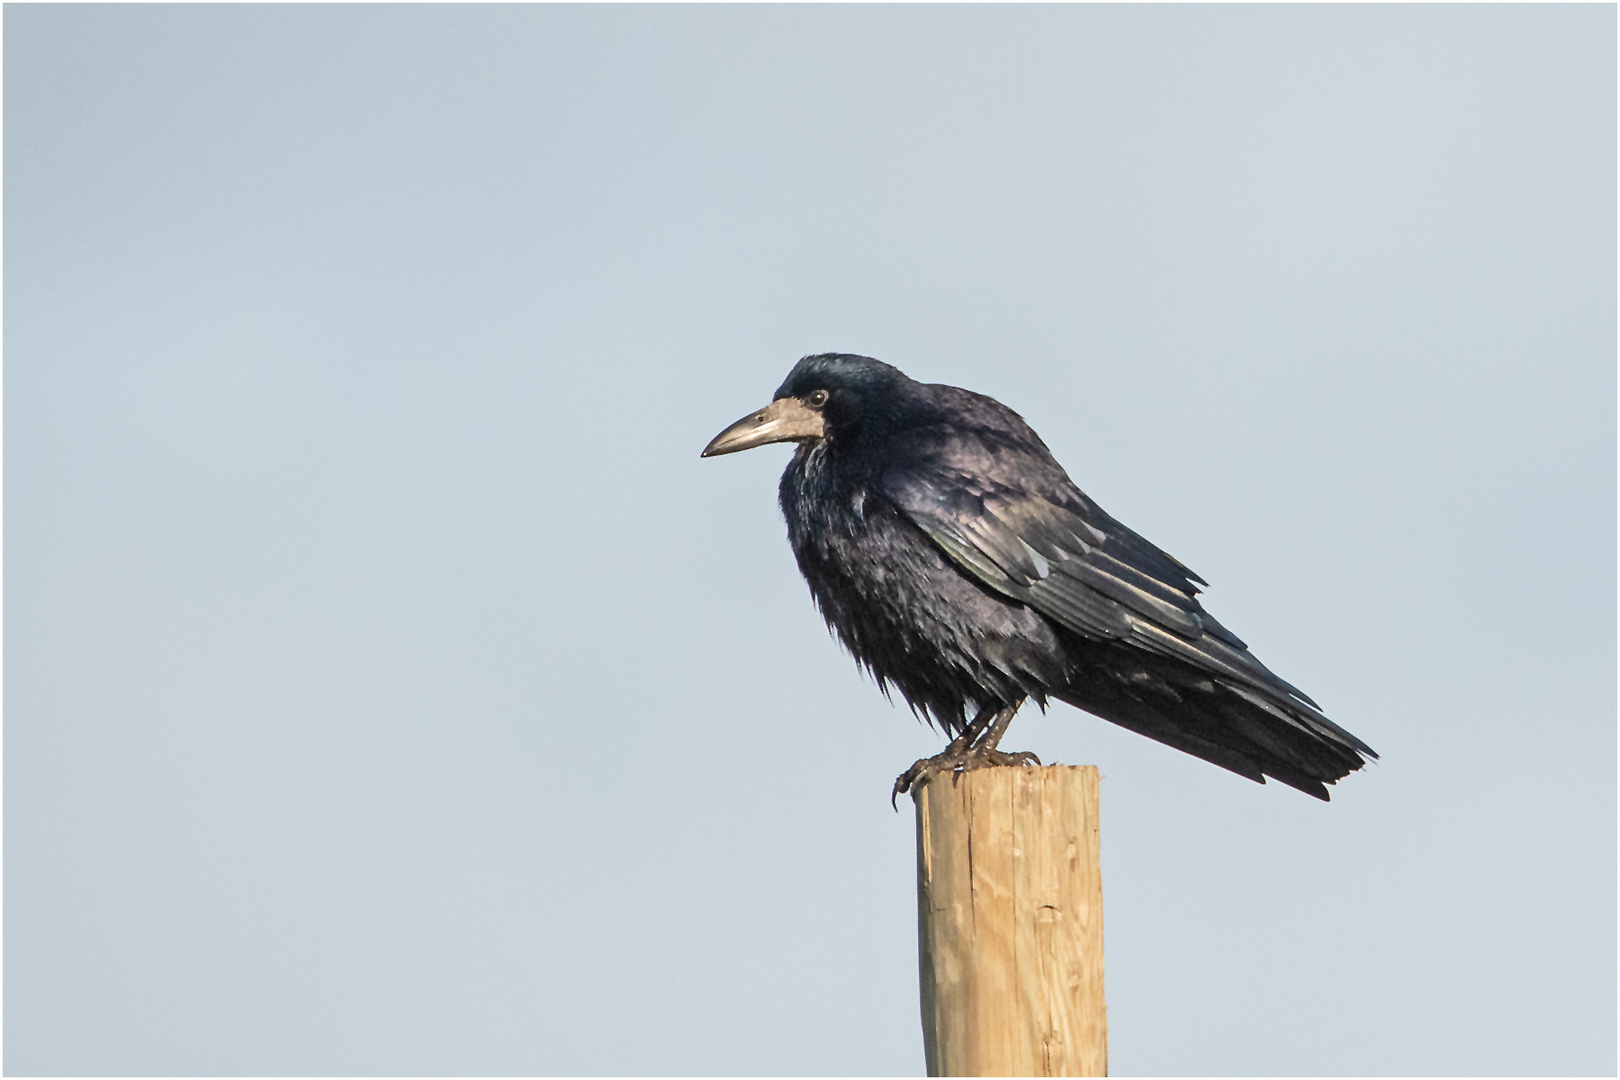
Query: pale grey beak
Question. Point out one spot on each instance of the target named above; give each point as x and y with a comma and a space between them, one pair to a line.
783, 420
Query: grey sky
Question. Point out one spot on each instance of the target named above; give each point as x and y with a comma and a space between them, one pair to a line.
390, 688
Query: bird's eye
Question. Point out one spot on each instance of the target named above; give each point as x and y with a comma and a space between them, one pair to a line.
817, 399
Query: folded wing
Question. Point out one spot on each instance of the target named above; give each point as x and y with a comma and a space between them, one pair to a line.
1063, 556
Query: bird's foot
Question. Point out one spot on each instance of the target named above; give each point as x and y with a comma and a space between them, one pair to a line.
921, 769
954, 759
997, 757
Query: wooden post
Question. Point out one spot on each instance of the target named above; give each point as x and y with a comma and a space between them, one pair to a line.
1009, 923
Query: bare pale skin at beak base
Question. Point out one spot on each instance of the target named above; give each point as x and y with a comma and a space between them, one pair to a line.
783, 420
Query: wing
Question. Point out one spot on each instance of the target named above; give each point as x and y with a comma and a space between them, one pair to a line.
1014, 521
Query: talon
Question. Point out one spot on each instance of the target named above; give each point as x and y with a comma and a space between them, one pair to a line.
908, 779
1021, 757
923, 768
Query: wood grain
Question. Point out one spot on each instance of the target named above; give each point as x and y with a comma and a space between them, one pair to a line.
1010, 934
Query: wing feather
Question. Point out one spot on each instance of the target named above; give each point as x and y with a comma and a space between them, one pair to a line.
1087, 572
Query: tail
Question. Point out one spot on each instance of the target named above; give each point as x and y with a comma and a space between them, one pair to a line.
1225, 724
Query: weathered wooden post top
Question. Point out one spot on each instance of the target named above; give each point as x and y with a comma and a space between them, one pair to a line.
1009, 922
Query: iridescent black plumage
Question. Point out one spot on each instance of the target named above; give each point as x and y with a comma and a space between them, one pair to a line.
959, 563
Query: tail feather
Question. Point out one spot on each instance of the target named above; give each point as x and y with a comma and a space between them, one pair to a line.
1221, 723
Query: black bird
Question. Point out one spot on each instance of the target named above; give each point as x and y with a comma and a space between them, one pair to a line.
957, 561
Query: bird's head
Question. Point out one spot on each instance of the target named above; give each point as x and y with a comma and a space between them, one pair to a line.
824, 397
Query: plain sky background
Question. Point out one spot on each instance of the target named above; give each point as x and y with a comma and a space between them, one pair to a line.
391, 688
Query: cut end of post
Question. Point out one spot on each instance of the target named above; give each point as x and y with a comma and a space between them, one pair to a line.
1010, 936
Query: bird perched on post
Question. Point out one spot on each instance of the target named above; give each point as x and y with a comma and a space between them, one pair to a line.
957, 561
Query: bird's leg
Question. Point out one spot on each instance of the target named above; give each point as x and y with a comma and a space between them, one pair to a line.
984, 751
972, 732
975, 748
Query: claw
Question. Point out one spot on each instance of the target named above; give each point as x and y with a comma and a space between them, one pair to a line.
1021, 757
920, 770
952, 758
